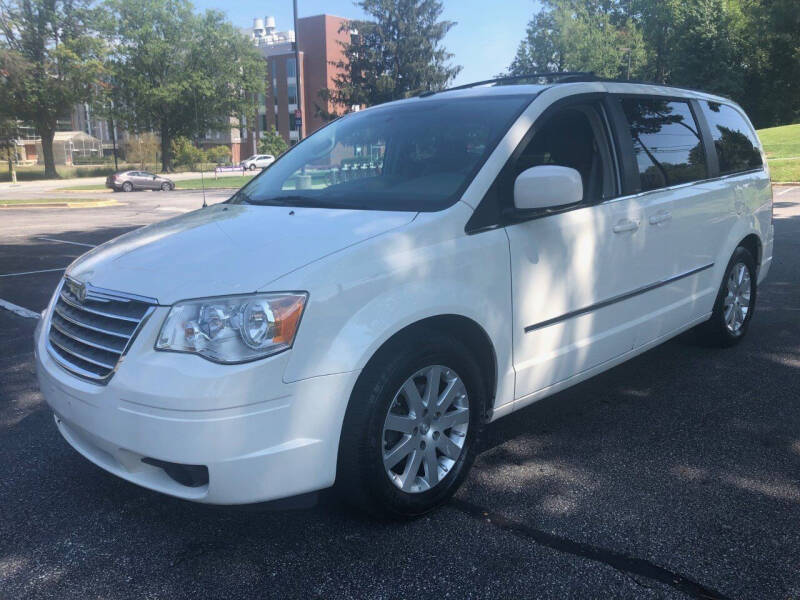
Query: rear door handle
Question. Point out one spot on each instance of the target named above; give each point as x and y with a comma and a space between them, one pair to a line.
662, 216
626, 225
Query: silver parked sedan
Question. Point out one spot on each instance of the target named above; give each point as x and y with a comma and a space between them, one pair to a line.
127, 181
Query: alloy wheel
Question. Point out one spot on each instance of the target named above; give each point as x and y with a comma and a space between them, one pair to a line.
425, 429
736, 305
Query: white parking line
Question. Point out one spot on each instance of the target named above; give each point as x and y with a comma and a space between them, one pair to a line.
786, 191
32, 272
19, 310
67, 242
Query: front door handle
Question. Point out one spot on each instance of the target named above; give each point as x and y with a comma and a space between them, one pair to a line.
626, 225
662, 216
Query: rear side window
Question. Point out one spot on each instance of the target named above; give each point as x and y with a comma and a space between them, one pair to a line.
666, 141
734, 139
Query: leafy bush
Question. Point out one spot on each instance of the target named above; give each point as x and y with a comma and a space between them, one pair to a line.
184, 153
142, 149
218, 154
272, 143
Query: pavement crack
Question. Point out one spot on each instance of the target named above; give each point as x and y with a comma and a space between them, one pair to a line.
629, 565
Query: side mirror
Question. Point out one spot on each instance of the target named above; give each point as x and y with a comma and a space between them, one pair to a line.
547, 186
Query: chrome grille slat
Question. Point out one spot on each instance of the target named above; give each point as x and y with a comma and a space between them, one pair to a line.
90, 329
75, 303
73, 318
62, 343
76, 335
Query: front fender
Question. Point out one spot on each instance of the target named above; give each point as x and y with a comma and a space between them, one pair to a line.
360, 297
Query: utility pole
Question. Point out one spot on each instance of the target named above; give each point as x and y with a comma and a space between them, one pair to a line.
113, 140
299, 122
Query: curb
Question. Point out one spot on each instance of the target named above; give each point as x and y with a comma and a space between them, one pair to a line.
74, 191
67, 204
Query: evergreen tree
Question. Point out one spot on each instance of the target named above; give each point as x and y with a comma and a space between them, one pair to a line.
396, 55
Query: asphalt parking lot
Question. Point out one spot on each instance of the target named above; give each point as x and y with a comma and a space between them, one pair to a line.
674, 475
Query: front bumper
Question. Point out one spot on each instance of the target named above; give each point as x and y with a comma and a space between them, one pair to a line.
260, 438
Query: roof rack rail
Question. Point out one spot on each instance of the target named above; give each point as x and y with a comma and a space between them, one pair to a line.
553, 75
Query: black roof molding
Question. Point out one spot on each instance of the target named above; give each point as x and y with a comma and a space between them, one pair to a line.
555, 77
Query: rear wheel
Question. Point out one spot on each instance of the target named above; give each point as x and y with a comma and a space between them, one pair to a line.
411, 429
252, 167
127, 186
735, 303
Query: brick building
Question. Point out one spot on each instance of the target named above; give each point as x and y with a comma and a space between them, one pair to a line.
319, 40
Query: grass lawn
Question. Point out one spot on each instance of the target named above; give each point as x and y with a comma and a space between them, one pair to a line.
232, 181
782, 145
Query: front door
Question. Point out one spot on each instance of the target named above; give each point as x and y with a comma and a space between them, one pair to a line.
572, 271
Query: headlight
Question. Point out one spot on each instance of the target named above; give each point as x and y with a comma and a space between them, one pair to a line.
233, 329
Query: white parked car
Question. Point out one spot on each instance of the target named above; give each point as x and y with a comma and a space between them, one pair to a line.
360, 332
257, 161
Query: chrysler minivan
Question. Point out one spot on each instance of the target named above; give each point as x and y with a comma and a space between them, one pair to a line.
355, 315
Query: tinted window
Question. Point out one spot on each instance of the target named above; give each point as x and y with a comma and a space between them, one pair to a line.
416, 156
736, 144
666, 142
567, 140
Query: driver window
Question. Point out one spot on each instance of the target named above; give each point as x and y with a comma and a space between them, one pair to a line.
568, 139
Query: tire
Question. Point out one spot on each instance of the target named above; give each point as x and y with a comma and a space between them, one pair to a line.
730, 318
363, 480
127, 186
252, 167
165, 187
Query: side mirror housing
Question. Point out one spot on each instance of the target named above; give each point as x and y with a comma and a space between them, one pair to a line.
547, 186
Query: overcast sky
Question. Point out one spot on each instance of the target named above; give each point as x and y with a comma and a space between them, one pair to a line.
484, 40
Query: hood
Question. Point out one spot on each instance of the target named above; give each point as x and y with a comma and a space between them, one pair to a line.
226, 249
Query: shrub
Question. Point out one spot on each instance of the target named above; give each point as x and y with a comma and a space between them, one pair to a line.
272, 143
184, 153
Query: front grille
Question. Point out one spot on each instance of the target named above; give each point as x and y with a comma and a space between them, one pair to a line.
91, 329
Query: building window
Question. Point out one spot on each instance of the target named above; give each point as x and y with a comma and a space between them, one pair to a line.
264, 125
291, 67
292, 93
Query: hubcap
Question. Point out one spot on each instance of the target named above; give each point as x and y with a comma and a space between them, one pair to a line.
737, 300
425, 429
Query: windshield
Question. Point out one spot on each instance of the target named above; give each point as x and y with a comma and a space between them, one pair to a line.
415, 156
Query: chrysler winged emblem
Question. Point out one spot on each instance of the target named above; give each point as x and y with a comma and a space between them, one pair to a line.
78, 288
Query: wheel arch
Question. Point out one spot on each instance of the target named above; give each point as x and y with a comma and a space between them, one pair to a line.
752, 243
466, 330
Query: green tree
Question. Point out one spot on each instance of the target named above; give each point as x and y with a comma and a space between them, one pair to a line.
218, 154
185, 153
50, 61
580, 35
397, 54
272, 143
179, 73
142, 149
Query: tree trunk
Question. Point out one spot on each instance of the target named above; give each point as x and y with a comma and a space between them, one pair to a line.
166, 162
47, 136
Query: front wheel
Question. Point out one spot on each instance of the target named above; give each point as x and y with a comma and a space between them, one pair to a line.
165, 187
735, 303
411, 429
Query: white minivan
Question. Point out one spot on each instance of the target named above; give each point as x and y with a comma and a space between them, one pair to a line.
356, 314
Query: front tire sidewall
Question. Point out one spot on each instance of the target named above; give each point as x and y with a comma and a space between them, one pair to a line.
364, 473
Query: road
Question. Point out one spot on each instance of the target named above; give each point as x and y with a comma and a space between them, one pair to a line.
674, 475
